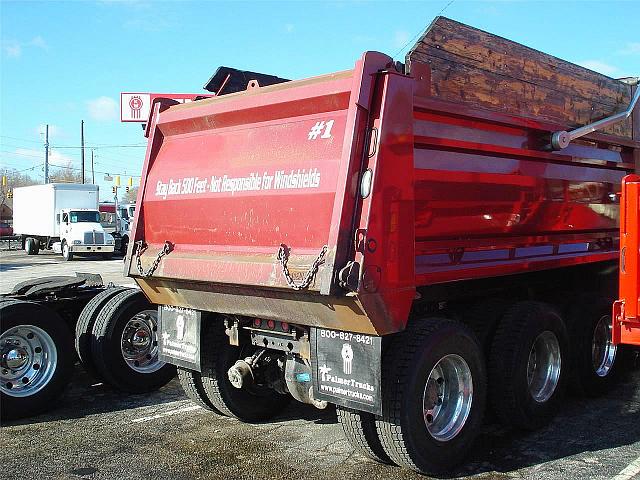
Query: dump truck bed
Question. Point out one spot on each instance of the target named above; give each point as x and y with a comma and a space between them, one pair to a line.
380, 180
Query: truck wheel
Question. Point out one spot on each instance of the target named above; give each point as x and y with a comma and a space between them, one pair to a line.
593, 355
191, 383
31, 246
84, 327
67, 254
124, 344
124, 243
36, 359
527, 365
433, 395
360, 430
247, 405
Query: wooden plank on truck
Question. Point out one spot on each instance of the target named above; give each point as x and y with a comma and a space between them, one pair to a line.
483, 70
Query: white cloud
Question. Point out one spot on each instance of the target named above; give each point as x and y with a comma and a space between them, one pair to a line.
631, 48
103, 109
39, 42
601, 67
400, 38
55, 132
12, 49
55, 157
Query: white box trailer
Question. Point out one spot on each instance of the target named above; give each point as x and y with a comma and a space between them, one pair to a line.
62, 216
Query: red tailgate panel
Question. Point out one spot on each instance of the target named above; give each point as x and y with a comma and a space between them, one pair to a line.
228, 180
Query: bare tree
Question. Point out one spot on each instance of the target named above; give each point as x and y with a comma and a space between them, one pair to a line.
66, 174
130, 196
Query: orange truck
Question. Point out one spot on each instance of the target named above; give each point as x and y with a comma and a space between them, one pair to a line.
626, 311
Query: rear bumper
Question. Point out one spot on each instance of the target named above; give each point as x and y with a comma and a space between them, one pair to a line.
348, 312
91, 248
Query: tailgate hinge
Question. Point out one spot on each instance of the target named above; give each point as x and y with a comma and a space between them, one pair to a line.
348, 276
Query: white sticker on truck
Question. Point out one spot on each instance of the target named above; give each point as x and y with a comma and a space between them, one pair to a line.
300, 178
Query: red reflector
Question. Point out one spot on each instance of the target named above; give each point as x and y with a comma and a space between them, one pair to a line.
271, 324
284, 326
257, 322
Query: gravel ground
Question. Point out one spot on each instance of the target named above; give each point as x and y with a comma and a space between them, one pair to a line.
97, 433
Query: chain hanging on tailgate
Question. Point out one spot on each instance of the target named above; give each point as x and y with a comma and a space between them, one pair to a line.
141, 247
283, 257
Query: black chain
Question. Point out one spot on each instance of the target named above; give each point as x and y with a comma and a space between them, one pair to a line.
283, 257
140, 249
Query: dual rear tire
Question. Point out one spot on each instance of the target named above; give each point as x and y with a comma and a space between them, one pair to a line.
116, 340
434, 391
211, 388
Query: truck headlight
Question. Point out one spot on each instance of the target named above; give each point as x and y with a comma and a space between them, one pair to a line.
77, 242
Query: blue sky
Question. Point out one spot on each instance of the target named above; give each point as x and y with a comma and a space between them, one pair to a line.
62, 62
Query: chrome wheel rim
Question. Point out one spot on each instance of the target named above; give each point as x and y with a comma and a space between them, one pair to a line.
65, 250
543, 366
603, 351
447, 397
139, 342
28, 360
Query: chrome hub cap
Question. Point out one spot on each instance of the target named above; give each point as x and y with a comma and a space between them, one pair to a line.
603, 351
447, 397
543, 367
140, 342
28, 360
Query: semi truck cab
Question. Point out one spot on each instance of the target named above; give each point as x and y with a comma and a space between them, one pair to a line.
81, 232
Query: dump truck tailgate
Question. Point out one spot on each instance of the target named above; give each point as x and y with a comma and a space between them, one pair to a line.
229, 180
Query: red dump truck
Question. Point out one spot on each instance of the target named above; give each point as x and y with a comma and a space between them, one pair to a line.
414, 243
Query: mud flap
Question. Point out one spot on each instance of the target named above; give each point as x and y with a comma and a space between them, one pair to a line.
346, 369
179, 336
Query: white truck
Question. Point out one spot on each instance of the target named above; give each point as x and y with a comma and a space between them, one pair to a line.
63, 217
117, 219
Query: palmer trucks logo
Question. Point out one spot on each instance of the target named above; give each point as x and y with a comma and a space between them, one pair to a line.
347, 359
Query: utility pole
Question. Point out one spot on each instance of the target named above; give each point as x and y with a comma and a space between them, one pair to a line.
46, 155
93, 173
82, 146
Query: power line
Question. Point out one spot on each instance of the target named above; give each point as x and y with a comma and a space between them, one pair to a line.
97, 171
22, 139
422, 31
96, 147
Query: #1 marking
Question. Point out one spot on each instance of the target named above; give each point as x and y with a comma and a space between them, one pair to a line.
319, 127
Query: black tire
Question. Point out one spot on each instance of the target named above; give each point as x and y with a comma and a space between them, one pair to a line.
584, 316
408, 363
217, 356
31, 246
191, 383
510, 395
106, 348
361, 433
67, 254
124, 243
16, 313
484, 317
84, 328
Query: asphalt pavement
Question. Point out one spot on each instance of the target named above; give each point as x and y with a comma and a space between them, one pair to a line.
94, 432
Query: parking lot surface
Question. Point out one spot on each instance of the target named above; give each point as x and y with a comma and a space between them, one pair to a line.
95, 432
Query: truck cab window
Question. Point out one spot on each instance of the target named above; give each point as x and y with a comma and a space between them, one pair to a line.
78, 217
65, 217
